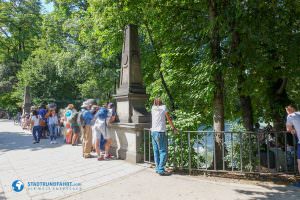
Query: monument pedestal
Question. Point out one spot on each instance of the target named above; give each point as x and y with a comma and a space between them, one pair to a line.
131, 108
128, 141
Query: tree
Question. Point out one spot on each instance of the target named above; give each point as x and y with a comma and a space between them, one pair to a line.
19, 28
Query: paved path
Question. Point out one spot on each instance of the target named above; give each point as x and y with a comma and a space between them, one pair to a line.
22, 160
110, 180
146, 186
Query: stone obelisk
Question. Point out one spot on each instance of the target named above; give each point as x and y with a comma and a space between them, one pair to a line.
131, 98
27, 100
131, 95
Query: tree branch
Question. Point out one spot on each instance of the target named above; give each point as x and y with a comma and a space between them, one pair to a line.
159, 70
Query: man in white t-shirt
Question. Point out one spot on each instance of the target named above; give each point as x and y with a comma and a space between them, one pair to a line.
293, 126
159, 114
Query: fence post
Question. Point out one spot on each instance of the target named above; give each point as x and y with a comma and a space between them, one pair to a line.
198, 156
258, 150
285, 155
190, 163
149, 146
241, 151
250, 152
268, 152
277, 154
223, 150
214, 154
174, 152
206, 150
181, 153
295, 152
144, 145
231, 138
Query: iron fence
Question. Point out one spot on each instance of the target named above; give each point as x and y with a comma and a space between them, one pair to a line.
254, 152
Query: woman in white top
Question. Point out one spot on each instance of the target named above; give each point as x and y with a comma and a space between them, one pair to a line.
35, 124
52, 124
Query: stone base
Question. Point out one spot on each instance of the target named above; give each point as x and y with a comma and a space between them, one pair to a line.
128, 141
131, 108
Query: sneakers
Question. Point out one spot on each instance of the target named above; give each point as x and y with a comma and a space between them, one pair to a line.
165, 174
101, 158
88, 156
53, 142
34, 142
109, 156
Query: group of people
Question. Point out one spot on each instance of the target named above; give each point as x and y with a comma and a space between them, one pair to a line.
92, 123
90, 126
41, 121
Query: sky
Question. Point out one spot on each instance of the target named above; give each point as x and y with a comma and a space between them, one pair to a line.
47, 7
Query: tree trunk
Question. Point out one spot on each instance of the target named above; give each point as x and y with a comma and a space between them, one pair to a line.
218, 98
245, 100
218, 117
247, 111
278, 100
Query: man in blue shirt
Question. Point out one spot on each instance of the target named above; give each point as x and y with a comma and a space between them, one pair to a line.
87, 130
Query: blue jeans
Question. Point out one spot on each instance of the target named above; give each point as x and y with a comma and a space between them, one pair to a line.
53, 131
36, 133
159, 141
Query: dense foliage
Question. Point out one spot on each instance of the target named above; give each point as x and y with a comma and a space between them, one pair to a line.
202, 57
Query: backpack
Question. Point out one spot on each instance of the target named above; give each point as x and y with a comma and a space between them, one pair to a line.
102, 113
80, 119
68, 115
73, 118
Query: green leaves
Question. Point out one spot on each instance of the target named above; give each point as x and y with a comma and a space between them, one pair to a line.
74, 52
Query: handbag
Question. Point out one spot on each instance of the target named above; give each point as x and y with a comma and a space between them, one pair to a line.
42, 122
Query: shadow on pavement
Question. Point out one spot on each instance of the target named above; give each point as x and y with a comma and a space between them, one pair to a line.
20, 140
278, 192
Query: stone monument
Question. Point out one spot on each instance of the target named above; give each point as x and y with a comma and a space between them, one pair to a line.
131, 98
131, 95
27, 100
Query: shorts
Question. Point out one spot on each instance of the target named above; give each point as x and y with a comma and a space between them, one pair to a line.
101, 129
76, 129
298, 151
105, 134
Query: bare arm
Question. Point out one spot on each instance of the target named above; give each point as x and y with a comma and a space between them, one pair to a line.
31, 122
290, 128
170, 121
